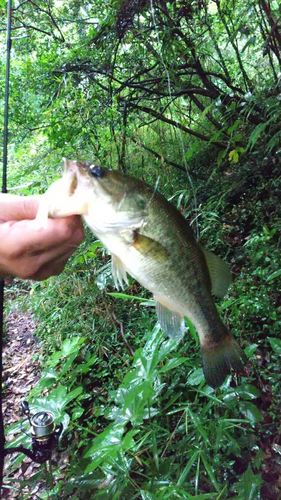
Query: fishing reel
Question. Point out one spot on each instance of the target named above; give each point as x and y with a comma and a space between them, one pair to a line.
44, 435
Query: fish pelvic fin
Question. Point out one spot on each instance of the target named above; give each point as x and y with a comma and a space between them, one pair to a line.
219, 358
118, 272
172, 324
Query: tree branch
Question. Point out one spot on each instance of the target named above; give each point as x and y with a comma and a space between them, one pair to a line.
178, 125
169, 162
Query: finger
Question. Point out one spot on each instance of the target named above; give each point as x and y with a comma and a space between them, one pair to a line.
14, 207
55, 238
66, 248
24, 251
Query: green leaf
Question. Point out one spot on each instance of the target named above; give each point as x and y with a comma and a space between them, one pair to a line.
234, 126
128, 443
191, 462
250, 350
274, 275
70, 345
192, 331
77, 413
105, 447
250, 41
258, 130
250, 411
233, 156
275, 344
131, 297
222, 154
247, 391
250, 484
210, 471
196, 377
200, 429
172, 363
56, 401
48, 377
73, 395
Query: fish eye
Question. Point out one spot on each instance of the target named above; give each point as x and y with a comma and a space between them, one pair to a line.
96, 171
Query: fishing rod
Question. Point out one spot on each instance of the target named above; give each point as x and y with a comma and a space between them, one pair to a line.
4, 190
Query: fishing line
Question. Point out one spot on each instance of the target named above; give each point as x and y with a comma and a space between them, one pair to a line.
154, 190
172, 105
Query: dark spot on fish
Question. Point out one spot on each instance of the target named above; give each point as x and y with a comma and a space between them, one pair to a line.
96, 171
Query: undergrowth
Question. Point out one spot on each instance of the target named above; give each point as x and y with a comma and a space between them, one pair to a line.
139, 420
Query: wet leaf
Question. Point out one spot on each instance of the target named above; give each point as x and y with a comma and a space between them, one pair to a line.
196, 377
250, 484
250, 411
275, 344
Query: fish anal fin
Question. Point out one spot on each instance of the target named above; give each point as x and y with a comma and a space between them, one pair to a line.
219, 358
219, 273
172, 323
118, 272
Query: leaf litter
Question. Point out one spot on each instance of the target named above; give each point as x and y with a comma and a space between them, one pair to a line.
22, 373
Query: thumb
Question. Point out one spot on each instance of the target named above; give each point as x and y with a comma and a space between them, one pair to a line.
14, 207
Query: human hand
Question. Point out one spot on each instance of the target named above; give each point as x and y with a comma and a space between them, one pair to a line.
31, 253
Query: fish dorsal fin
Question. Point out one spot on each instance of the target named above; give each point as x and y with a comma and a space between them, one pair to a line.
118, 272
219, 273
171, 322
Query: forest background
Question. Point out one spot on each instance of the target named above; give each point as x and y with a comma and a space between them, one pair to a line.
185, 95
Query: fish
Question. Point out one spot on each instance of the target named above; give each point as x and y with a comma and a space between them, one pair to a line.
151, 240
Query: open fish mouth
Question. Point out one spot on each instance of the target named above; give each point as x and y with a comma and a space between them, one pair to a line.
73, 185
70, 177
74, 170
64, 197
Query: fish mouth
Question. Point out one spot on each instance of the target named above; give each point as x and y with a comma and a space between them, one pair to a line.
73, 185
72, 171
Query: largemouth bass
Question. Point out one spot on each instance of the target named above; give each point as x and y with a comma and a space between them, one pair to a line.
150, 239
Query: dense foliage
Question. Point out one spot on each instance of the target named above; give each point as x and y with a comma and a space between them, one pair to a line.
186, 94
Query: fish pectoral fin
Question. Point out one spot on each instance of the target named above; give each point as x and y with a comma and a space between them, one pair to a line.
118, 272
172, 323
219, 273
150, 248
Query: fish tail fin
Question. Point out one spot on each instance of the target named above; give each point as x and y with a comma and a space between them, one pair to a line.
218, 358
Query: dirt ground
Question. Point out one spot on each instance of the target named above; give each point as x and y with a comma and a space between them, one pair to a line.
21, 374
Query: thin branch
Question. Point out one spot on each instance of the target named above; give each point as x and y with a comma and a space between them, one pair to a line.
50, 15
168, 162
203, 109
178, 125
28, 26
121, 326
